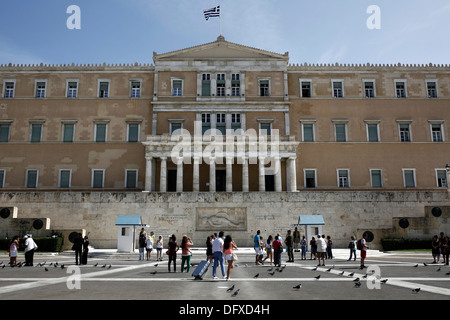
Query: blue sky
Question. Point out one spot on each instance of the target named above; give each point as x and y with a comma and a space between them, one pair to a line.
322, 31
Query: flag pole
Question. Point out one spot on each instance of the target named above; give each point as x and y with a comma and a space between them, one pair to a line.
220, 22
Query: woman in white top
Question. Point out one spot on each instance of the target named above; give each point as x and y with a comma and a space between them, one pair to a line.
149, 247
13, 247
159, 247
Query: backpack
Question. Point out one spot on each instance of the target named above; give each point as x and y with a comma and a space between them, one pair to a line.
359, 245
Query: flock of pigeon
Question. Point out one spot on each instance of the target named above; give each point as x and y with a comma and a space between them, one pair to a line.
45, 265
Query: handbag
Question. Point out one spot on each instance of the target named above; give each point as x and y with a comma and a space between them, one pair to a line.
234, 255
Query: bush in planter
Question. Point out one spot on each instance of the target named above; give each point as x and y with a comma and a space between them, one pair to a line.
45, 244
408, 244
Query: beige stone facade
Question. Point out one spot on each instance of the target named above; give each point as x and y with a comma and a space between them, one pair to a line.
323, 128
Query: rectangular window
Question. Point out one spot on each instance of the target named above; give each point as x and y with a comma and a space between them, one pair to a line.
265, 128
40, 89
305, 89
32, 178
9, 89
68, 132
100, 132
340, 132
372, 133
133, 132
65, 177
343, 178
4, 132
174, 126
409, 178
206, 85
432, 89
441, 178
98, 177
369, 89
264, 88
220, 84
236, 121
206, 122
400, 89
135, 89
131, 177
2, 178
338, 89
221, 122
375, 178
436, 133
405, 134
103, 89
36, 132
72, 89
235, 85
310, 178
308, 132
177, 88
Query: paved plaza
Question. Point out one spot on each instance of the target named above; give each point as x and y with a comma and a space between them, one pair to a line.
112, 276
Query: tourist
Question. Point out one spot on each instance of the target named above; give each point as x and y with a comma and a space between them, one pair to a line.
142, 245
228, 247
441, 246
209, 252
13, 247
30, 248
446, 252
352, 247
257, 246
78, 247
435, 250
84, 254
172, 252
313, 245
321, 249
329, 244
303, 244
363, 247
277, 249
269, 250
218, 255
149, 246
186, 253
159, 248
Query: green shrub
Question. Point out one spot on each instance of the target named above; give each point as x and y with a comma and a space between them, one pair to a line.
46, 244
405, 244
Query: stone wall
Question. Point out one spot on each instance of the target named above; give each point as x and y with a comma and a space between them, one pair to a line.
240, 214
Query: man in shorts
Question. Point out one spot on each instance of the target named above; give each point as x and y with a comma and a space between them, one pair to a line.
363, 248
321, 249
257, 246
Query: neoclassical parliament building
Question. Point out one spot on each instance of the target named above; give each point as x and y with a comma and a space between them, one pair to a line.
226, 136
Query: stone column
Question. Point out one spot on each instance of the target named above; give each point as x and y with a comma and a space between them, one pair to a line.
229, 163
277, 174
196, 176
261, 174
292, 172
148, 174
245, 187
163, 175
180, 174
212, 174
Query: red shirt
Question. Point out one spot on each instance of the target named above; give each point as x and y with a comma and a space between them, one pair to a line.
276, 244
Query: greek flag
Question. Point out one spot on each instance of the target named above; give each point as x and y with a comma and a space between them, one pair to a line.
211, 13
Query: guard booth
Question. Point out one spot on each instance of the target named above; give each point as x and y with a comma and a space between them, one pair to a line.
312, 226
128, 227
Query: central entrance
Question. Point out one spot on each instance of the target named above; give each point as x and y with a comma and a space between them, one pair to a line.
221, 179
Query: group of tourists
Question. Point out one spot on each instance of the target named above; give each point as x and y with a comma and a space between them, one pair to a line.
439, 246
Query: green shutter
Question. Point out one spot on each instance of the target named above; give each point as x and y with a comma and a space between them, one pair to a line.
373, 132
131, 179
64, 179
101, 133
133, 132
68, 132
376, 179
98, 179
340, 133
4, 132
32, 179
308, 135
206, 88
36, 130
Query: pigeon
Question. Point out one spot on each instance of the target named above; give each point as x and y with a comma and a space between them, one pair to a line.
314, 269
62, 266
51, 263
448, 273
416, 290
297, 286
281, 270
231, 288
425, 264
109, 267
416, 265
328, 270
256, 276
342, 273
103, 266
270, 270
272, 273
384, 281
3, 266
46, 269
439, 269
356, 280
357, 284
351, 274
318, 277
154, 272
235, 293
155, 265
